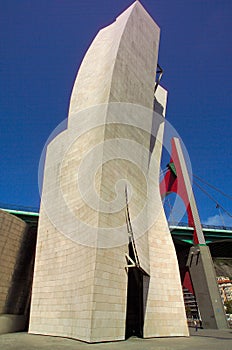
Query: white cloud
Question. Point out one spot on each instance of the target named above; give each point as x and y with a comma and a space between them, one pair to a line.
218, 220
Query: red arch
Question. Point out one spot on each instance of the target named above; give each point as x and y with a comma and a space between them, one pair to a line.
174, 181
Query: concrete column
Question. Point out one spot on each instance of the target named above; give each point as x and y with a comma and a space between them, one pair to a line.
206, 289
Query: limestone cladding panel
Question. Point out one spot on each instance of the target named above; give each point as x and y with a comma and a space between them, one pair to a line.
110, 290
80, 291
135, 67
12, 231
165, 312
63, 284
119, 66
165, 306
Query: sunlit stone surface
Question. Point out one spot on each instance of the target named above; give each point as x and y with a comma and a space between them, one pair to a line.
81, 280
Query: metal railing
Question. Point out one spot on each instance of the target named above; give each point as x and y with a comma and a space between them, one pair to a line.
170, 223
184, 224
19, 207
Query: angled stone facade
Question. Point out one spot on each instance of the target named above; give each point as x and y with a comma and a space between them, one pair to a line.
83, 287
17, 246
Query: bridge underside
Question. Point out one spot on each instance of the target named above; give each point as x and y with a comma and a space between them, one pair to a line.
218, 249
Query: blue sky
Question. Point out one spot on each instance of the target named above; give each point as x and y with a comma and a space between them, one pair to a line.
42, 44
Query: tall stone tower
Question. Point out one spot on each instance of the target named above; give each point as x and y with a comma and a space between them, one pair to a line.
105, 264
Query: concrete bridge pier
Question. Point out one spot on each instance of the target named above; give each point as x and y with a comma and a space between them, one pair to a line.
207, 293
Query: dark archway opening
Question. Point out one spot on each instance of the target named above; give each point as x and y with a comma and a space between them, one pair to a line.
135, 314
135, 304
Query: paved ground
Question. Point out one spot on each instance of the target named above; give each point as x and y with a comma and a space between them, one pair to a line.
201, 340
